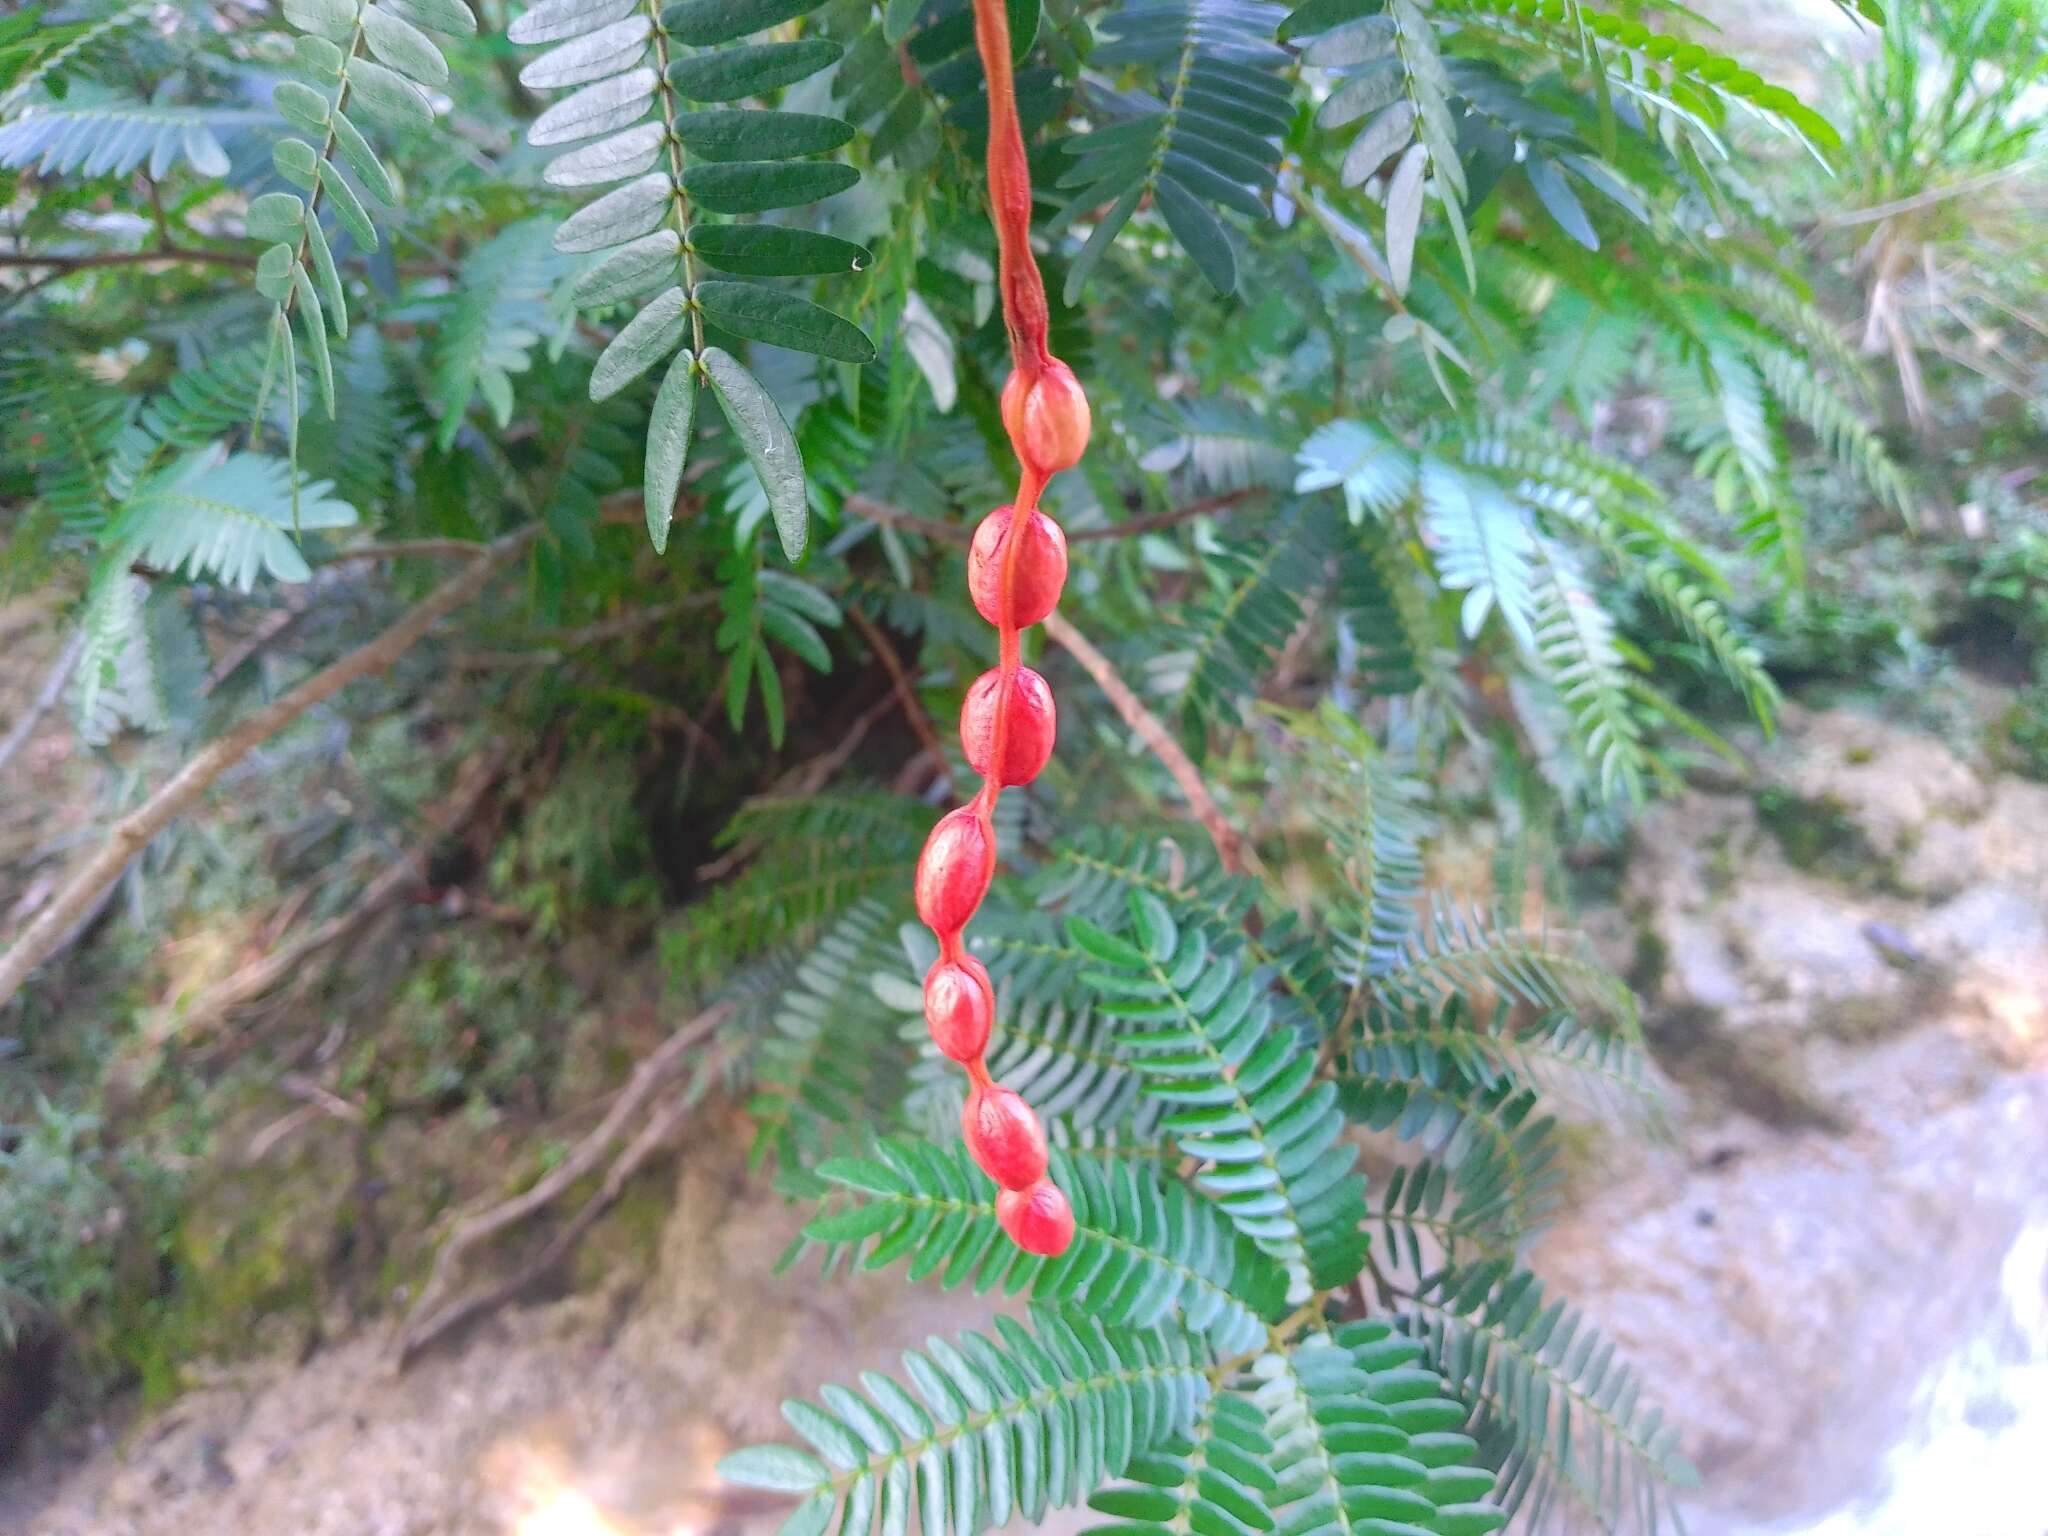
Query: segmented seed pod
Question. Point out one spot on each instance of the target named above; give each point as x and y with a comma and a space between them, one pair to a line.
1028, 737
1046, 414
959, 1007
1007, 723
954, 870
1038, 1219
1004, 1136
1041, 569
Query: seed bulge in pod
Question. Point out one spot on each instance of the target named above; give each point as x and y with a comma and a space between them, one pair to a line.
959, 1006
1047, 418
1041, 568
953, 871
1038, 1219
1028, 742
1004, 1135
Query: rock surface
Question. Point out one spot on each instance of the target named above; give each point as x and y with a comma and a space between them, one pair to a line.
1844, 969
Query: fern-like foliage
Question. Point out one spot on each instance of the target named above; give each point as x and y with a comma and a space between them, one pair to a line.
369, 58
1226, 645
1683, 89
1457, 951
1018, 1423
633, 69
1366, 1441
495, 318
117, 137
1201, 140
1146, 1248
1215, 1479
833, 1053
142, 665
1388, 71
1049, 1043
1567, 1417
1242, 1095
230, 521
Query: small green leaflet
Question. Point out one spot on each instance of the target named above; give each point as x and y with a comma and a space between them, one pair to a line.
772, 250
668, 446
770, 446
783, 320
730, 133
754, 186
702, 23
734, 73
641, 343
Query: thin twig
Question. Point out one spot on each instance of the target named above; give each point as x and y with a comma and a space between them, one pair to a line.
398, 549
958, 533
138, 829
895, 517
647, 1079
404, 872
1179, 767
186, 254
913, 707
275, 623
1148, 522
53, 686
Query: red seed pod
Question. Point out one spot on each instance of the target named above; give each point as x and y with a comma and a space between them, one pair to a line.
953, 871
1038, 1219
1041, 568
1004, 1136
1047, 418
959, 1005
1028, 742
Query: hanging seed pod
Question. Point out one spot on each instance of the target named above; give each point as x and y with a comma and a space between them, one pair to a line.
1004, 1136
1007, 723
959, 1007
1041, 569
1027, 742
954, 870
1038, 1219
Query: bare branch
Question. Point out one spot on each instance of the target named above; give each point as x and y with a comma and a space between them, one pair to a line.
135, 831
399, 549
53, 685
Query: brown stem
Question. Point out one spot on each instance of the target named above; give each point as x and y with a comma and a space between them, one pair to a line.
399, 549
1229, 846
135, 831
163, 253
1150, 521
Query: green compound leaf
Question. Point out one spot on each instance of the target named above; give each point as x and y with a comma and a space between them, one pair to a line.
992, 1426
1145, 1249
